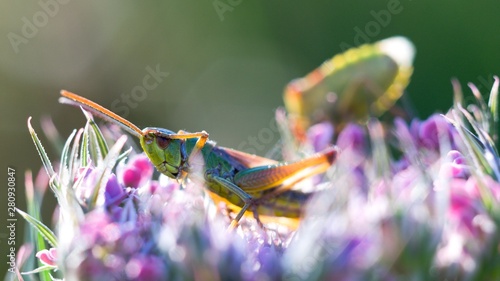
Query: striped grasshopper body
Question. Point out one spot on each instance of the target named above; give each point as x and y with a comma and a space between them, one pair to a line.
248, 183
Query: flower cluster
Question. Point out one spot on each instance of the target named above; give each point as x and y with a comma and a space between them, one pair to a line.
404, 201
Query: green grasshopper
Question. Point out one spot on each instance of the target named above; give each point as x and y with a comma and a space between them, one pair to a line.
352, 86
246, 182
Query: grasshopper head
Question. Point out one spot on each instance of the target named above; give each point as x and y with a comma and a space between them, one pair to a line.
166, 153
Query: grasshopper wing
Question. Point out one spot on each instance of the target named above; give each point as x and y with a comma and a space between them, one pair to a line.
248, 160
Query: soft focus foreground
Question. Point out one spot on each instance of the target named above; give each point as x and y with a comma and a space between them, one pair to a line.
405, 201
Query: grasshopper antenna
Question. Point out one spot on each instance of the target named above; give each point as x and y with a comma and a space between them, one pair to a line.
106, 114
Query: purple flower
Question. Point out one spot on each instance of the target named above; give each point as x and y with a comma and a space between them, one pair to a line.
433, 131
114, 192
269, 260
455, 166
320, 135
352, 141
406, 205
146, 267
352, 137
93, 228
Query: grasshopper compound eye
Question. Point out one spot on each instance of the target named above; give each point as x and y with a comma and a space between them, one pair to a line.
162, 142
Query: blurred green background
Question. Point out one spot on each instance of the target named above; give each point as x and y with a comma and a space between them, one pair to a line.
227, 61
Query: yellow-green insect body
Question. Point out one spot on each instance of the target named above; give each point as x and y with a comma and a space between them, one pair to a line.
361, 82
247, 182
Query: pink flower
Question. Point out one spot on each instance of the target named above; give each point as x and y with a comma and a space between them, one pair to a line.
48, 257
466, 201
137, 171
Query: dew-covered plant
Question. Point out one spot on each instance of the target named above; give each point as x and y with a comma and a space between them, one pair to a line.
404, 201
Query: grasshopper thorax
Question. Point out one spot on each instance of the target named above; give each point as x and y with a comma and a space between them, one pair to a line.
167, 153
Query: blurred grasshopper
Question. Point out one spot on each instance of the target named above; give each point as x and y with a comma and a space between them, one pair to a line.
247, 182
352, 86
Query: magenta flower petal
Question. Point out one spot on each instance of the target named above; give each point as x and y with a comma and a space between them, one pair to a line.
138, 171
142, 163
48, 257
131, 177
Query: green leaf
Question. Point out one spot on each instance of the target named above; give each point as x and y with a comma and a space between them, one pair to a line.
94, 151
73, 157
42, 268
103, 146
41, 151
33, 205
493, 105
40, 227
481, 147
475, 151
124, 155
84, 149
65, 164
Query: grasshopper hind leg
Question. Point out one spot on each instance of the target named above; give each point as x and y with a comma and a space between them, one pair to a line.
229, 189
